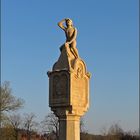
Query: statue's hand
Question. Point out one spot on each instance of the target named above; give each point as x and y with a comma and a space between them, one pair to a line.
66, 44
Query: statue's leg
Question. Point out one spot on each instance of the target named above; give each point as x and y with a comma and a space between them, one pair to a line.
74, 49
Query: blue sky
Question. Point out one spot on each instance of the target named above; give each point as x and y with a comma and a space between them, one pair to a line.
107, 41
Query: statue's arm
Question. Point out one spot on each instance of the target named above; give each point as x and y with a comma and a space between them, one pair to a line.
74, 37
60, 24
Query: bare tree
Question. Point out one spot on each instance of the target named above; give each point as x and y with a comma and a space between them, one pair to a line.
51, 124
15, 122
115, 129
7, 101
104, 131
29, 124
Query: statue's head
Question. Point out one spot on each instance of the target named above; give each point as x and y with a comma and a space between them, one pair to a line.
69, 22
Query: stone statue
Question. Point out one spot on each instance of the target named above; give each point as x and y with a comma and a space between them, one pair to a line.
69, 86
71, 33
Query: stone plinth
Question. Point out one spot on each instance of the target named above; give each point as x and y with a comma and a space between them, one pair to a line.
69, 127
69, 93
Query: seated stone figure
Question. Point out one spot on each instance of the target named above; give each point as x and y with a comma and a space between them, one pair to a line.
71, 33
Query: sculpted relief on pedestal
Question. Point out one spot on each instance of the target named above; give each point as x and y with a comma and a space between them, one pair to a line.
60, 86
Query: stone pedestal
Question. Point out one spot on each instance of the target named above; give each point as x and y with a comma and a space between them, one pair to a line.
69, 93
69, 127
